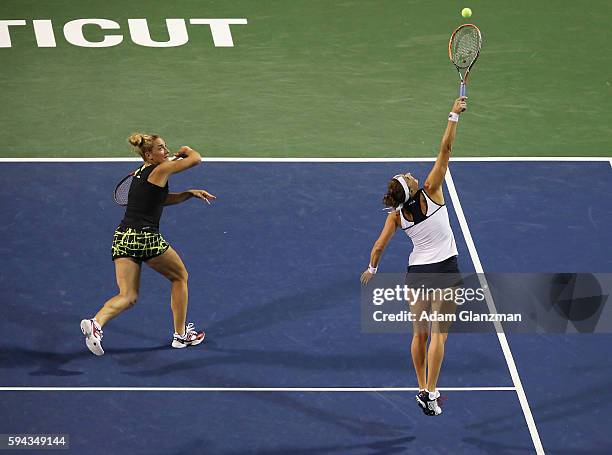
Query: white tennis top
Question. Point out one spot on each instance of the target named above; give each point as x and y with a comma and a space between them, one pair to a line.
432, 237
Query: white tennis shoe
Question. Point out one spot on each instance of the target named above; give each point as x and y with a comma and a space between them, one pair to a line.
428, 402
432, 404
93, 335
191, 338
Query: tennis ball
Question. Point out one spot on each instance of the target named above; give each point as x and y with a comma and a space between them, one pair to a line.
466, 12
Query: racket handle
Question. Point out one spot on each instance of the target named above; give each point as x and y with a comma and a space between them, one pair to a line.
462, 89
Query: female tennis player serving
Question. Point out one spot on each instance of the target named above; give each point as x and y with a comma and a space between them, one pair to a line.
137, 239
422, 214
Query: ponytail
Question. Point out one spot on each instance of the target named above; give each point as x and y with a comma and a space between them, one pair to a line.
142, 142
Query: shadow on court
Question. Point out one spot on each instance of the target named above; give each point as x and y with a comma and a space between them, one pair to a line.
390, 446
289, 308
296, 360
282, 359
44, 363
355, 423
48, 363
511, 449
577, 403
381, 447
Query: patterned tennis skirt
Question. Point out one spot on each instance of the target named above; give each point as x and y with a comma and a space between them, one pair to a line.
140, 245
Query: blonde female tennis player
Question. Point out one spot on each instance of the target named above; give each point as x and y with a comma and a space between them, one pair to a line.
422, 214
137, 240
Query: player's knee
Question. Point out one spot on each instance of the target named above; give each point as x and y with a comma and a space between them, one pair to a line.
420, 337
130, 298
177, 274
439, 337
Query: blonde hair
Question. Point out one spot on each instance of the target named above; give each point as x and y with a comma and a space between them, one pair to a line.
142, 142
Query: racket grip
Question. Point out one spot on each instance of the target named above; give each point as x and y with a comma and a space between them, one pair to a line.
462, 89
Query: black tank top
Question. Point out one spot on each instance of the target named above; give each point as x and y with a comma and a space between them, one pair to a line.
413, 206
145, 202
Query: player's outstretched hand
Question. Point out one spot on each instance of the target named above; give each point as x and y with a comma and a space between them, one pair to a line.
365, 277
459, 105
203, 194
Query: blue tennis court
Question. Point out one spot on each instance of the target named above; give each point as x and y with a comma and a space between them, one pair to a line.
274, 279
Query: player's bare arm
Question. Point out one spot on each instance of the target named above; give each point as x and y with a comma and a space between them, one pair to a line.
177, 198
190, 158
433, 184
391, 225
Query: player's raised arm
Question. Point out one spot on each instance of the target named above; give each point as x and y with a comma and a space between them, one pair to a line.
433, 184
189, 157
163, 171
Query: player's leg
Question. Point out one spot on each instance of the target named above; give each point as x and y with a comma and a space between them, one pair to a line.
435, 356
127, 272
418, 347
435, 353
170, 265
438, 336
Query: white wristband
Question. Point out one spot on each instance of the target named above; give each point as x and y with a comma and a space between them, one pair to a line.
453, 117
372, 270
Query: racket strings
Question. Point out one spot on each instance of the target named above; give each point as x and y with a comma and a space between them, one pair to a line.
465, 47
122, 191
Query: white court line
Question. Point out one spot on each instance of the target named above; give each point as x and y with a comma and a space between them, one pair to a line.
248, 389
313, 160
516, 380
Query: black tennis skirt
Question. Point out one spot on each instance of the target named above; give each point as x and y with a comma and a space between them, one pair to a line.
442, 275
137, 244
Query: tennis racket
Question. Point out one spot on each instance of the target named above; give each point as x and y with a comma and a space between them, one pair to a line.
463, 50
122, 190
